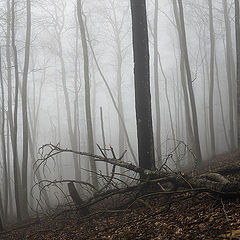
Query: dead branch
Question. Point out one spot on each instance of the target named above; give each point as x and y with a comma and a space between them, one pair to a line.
162, 181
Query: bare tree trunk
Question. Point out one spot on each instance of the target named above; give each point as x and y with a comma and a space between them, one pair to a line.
119, 89
189, 128
9, 113
156, 87
59, 136
72, 137
211, 90
237, 33
189, 81
1, 213
221, 106
168, 101
87, 93
25, 114
114, 103
3, 144
76, 101
103, 138
230, 73
17, 178
117, 29
9, 173
202, 50
142, 85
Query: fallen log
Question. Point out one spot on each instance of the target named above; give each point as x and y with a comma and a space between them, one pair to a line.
214, 181
231, 169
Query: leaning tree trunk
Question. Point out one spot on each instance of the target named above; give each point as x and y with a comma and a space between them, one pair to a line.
72, 135
87, 93
142, 85
189, 81
189, 128
113, 101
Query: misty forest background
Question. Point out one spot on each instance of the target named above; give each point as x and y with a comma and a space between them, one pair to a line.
67, 78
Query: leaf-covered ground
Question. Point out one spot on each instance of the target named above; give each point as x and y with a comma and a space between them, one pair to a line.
183, 215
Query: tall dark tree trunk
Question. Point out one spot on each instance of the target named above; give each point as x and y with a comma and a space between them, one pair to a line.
142, 85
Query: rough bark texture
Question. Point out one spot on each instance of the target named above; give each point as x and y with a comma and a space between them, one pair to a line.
142, 85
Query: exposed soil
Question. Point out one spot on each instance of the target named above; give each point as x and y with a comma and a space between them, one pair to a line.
186, 215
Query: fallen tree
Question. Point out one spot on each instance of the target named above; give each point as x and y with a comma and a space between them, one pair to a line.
160, 181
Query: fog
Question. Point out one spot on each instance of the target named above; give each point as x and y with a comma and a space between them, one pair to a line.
57, 96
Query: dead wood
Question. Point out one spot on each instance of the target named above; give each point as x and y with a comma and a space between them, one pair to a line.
162, 180
77, 199
231, 169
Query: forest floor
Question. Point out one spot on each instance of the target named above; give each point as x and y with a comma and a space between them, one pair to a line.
183, 215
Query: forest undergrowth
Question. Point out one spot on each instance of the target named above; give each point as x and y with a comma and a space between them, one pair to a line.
180, 214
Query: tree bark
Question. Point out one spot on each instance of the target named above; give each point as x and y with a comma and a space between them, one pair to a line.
142, 85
